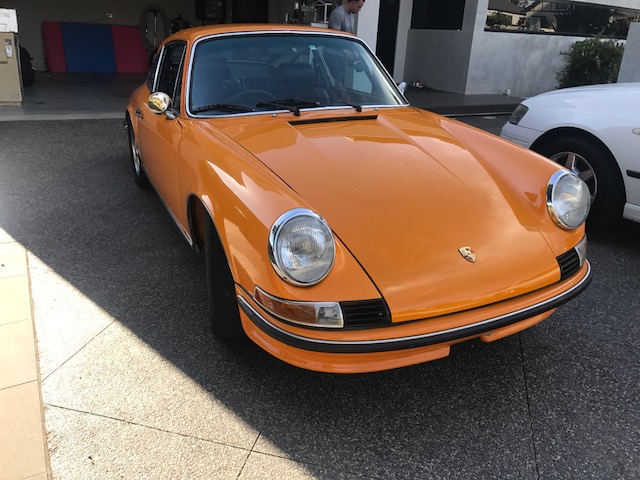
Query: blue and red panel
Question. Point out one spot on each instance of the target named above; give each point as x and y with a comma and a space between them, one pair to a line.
93, 48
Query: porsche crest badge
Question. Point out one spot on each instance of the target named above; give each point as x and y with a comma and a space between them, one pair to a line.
467, 254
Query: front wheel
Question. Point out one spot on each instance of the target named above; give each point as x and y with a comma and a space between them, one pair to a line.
595, 165
139, 175
223, 306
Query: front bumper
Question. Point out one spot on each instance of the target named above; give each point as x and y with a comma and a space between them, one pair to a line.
407, 342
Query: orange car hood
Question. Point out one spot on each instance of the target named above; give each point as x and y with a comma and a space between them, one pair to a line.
404, 196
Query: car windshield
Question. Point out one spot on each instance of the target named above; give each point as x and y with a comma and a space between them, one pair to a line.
271, 72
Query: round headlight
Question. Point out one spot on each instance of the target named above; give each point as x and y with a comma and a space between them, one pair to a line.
568, 200
301, 247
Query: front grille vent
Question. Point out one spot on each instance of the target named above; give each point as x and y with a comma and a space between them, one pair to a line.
569, 264
365, 313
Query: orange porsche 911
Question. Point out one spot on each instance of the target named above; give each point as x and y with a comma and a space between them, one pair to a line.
344, 230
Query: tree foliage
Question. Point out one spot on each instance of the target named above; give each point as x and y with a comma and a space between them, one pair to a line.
498, 19
582, 19
592, 20
591, 61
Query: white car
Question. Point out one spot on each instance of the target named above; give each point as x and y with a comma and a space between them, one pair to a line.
594, 131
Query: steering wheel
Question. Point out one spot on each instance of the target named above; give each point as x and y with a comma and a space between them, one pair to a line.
251, 95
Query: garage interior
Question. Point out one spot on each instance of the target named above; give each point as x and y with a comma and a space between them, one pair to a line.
87, 57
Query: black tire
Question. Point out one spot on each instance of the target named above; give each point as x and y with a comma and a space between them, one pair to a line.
596, 166
223, 306
139, 176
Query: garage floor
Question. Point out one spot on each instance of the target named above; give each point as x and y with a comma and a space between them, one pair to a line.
66, 96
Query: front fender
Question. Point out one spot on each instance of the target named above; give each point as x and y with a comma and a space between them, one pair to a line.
244, 198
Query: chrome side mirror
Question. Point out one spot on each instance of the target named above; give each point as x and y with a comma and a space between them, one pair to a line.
159, 102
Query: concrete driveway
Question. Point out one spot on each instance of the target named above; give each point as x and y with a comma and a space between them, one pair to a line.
134, 386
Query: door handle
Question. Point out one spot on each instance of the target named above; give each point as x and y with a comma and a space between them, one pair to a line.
139, 114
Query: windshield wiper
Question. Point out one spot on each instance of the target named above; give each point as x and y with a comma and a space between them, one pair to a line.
222, 107
292, 104
354, 105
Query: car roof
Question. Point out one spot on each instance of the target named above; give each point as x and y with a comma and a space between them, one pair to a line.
194, 33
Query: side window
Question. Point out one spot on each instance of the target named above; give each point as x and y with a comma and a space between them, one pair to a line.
177, 93
169, 75
151, 76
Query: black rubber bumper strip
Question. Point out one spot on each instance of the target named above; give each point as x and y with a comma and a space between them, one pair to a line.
415, 341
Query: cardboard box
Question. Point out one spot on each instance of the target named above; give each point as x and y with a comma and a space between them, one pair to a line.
8, 20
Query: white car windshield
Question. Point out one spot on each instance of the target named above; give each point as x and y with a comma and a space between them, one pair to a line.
285, 71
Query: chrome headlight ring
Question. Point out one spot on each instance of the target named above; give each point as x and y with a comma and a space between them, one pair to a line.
568, 200
301, 247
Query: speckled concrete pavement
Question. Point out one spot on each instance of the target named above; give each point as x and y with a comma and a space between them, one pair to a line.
134, 386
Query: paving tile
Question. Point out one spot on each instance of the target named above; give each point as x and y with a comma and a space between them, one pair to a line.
23, 452
15, 299
13, 260
260, 467
41, 476
585, 415
70, 312
158, 366
4, 235
427, 421
86, 446
17, 354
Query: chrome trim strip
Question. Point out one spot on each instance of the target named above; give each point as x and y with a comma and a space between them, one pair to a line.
414, 341
551, 186
278, 112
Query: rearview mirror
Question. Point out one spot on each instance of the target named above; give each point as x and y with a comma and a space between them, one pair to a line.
159, 102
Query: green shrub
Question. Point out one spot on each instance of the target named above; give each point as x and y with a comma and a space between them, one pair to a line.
498, 19
591, 62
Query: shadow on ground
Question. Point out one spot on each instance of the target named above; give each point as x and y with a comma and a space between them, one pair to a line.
120, 305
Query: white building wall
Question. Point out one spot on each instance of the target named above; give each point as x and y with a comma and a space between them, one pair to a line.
367, 28
440, 58
473, 61
404, 24
521, 64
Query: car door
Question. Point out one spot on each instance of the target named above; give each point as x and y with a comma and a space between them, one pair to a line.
159, 134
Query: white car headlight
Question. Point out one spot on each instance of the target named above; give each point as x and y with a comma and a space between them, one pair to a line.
301, 247
518, 113
568, 200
